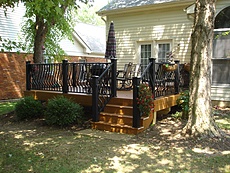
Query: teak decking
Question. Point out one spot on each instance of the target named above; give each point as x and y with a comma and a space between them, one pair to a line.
117, 115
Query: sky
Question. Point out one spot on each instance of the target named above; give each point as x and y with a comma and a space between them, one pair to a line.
100, 3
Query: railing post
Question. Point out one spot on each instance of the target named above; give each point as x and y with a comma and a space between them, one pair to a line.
114, 77
177, 77
136, 111
74, 74
28, 75
152, 74
65, 76
95, 95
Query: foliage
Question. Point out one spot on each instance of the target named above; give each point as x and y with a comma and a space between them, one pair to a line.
87, 14
6, 107
62, 111
9, 45
46, 23
28, 108
183, 101
177, 115
226, 33
145, 99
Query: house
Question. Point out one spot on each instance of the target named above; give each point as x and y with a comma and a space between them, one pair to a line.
89, 45
86, 42
152, 28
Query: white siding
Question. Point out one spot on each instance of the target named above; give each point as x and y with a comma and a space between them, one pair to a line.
10, 25
152, 25
220, 93
169, 24
221, 4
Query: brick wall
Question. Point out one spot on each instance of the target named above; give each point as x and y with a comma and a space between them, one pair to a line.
13, 73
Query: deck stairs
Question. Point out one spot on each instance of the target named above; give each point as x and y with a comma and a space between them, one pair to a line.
118, 117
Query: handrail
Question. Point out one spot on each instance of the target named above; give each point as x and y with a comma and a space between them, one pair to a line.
103, 89
146, 77
160, 82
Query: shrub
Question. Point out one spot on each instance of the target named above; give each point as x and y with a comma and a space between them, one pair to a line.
62, 111
145, 99
183, 101
28, 108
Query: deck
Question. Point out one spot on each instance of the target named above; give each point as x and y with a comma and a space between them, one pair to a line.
96, 86
118, 113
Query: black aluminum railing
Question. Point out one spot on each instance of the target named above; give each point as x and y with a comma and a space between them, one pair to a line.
103, 89
99, 79
162, 81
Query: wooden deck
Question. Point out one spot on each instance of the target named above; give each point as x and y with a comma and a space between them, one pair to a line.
117, 115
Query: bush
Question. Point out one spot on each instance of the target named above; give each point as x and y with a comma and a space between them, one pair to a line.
183, 101
62, 111
28, 108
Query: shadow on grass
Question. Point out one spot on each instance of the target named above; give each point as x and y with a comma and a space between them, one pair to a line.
35, 147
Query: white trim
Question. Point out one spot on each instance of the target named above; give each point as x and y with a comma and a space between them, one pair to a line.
222, 29
81, 41
138, 49
163, 41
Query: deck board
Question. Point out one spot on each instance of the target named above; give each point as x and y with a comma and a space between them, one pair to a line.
160, 103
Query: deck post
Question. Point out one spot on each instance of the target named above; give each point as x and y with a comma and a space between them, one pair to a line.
152, 74
28, 75
114, 78
65, 76
136, 111
177, 73
74, 75
95, 95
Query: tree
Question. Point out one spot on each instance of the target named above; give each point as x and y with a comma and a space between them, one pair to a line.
48, 21
201, 121
87, 14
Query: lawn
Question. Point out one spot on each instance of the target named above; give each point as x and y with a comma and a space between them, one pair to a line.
6, 107
35, 147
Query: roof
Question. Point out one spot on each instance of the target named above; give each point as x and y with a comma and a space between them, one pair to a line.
92, 37
118, 4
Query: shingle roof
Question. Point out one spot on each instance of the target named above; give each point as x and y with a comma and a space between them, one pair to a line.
93, 36
118, 4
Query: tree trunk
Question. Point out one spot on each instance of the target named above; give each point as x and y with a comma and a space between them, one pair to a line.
201, 121
39, 40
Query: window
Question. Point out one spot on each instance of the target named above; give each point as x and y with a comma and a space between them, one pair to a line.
222, 19
163, 49
221, 50
146, 53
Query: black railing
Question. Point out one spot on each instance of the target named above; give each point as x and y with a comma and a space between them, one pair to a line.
98, 79
104, 88
163, 78
63, 77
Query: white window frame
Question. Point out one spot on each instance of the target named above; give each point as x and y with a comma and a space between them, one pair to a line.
143, 44
156, 47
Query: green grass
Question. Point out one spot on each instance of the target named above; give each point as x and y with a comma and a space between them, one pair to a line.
6, 107
223, 118
58, 151
35, 147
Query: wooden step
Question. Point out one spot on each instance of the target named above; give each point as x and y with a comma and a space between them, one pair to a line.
121, 101
124, 119
120, 110
116, 128
116, 119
